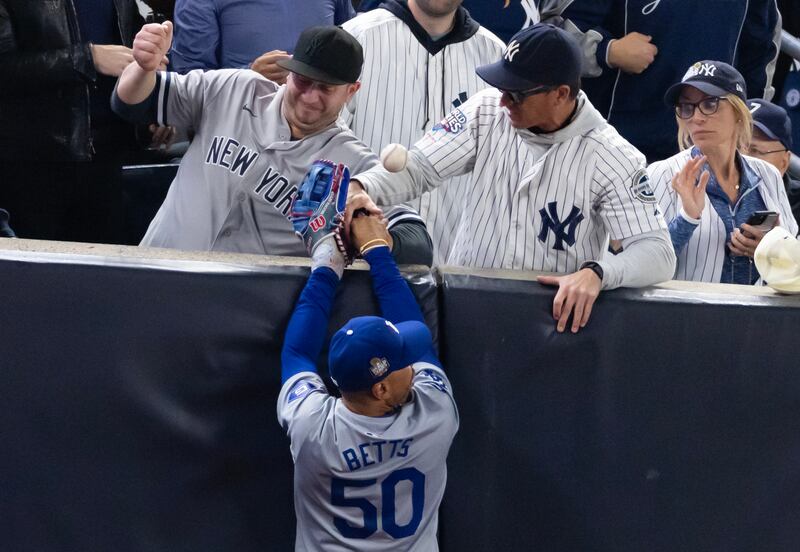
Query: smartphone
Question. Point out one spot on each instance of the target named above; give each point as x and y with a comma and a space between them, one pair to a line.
763, 220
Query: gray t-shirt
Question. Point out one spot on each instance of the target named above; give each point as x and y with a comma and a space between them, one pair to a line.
368, 483
235, 185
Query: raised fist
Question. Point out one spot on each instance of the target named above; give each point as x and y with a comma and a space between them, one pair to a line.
632, 53
151, 45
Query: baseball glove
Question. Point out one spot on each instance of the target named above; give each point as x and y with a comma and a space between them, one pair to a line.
318, 208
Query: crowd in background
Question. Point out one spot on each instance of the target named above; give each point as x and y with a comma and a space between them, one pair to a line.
62, 148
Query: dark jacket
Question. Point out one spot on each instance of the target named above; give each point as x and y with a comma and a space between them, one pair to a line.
734, 31
46, 70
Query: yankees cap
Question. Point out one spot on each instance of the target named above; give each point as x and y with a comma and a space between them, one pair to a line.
772, 120
777, 259
369, 348
541, 54
326, 54
715, 78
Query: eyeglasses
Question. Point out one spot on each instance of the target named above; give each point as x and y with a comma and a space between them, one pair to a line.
752, 150
519, 97
304, 83
707, 106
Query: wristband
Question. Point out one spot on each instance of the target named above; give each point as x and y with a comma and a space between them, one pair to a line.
594, 267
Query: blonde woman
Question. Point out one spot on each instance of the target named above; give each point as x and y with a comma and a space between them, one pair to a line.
710, 190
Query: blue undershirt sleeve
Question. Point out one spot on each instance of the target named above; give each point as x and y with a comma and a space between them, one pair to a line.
308, 326
397, 302
680, 230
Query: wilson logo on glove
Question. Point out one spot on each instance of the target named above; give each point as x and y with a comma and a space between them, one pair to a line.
317, 224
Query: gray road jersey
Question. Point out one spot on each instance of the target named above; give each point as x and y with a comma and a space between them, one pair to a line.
236, 182
364, 483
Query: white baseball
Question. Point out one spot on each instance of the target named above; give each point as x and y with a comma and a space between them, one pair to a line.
394, 157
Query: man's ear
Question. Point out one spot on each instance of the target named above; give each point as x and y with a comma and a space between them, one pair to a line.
562, 93
379, 390
785, 160
352, 89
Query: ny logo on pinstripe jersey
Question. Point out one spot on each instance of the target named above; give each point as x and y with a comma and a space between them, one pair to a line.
551, 221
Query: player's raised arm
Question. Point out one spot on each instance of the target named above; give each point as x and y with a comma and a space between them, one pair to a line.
397, 303
305, 335
321, 197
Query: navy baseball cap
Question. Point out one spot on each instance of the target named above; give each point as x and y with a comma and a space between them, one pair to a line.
326, 54
369, 348
772, 120
715, 78
541, 54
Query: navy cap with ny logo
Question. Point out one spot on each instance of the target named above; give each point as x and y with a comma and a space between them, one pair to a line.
715, 78
541, 54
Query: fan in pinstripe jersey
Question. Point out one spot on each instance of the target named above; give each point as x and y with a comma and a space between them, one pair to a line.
548, 181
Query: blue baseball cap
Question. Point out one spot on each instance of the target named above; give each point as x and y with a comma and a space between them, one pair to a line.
715, 78
541, 54
368, 348
772, 120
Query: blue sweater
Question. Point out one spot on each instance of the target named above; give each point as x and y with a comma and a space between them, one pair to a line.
219, 34
739, 32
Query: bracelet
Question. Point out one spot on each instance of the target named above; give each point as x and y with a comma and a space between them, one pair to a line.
372, 244
373, 247
380, 241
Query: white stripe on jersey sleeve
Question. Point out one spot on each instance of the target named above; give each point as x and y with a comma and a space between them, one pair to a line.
161, 82
399, 213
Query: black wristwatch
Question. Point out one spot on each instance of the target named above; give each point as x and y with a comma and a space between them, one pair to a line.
594, 267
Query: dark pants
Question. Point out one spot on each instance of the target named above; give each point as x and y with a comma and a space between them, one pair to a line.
66, 201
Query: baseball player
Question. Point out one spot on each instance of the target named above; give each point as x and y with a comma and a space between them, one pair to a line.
550, 182
419, 62
370, 467
253, 141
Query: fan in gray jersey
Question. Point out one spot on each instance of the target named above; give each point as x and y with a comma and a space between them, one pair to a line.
550, 180
370, 467
419, 62
253, 143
